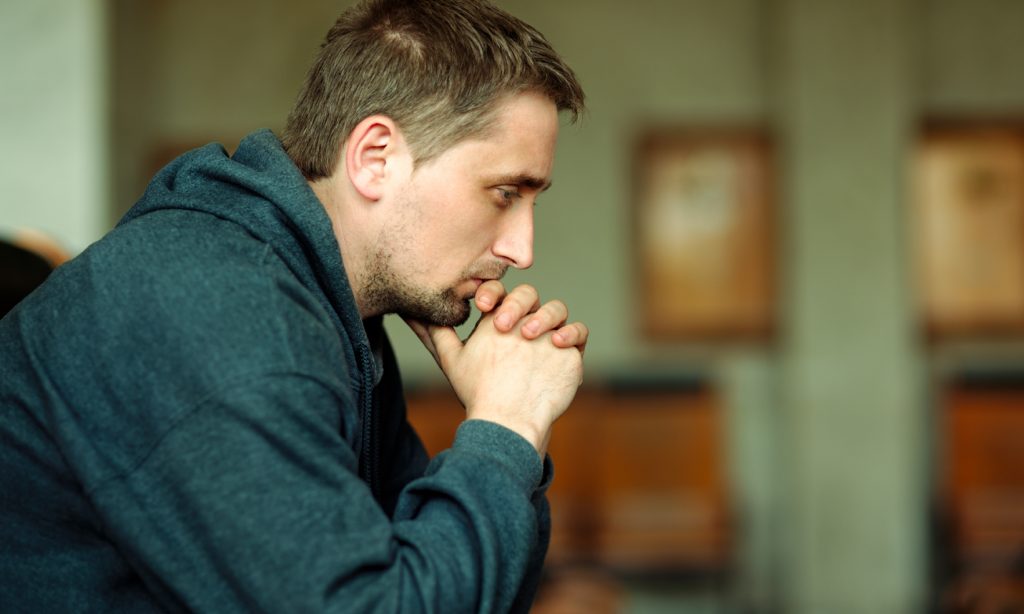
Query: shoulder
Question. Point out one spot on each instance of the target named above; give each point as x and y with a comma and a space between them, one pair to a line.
194, 291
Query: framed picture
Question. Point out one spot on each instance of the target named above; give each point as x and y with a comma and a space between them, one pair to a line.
968, 223
703, 219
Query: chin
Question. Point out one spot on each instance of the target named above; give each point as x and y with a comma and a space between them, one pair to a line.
455, 317
450, 312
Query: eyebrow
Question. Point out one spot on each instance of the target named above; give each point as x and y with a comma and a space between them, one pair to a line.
529, 181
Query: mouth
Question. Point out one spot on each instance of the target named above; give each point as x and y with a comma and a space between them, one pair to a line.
483, 276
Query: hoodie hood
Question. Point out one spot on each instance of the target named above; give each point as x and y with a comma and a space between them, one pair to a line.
260, 189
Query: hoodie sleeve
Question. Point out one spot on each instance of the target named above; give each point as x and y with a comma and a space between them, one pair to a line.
405, 460
531, 582
253, 503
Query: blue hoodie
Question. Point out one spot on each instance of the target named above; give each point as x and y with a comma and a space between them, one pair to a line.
194, 417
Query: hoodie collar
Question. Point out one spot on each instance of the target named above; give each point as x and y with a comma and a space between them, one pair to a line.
260, 188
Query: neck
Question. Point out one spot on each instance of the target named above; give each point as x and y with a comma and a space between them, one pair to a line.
349, 244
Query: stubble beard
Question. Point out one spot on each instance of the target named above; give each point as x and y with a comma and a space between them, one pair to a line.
385, 291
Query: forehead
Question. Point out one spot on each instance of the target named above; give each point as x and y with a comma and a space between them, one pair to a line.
520, 142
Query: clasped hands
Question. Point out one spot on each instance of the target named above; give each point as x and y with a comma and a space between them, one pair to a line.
521, 365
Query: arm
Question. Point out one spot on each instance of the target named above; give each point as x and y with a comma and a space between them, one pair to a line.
252, 502
519, 318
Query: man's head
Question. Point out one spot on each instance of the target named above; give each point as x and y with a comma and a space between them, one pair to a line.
428, 128
436, 67
435, 234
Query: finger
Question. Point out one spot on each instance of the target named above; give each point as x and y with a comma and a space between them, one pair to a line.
550, 316
573, 335
521, 301
447, 344
489, 295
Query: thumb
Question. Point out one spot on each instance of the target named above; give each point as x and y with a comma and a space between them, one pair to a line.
446, 342
439, 341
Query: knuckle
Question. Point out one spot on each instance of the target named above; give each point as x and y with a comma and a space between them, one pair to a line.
558, 306
527, 290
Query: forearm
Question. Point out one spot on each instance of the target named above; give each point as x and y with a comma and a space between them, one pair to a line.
491, 481
234, 511
534, 572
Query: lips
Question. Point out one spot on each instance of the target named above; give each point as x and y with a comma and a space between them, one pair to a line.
477, 278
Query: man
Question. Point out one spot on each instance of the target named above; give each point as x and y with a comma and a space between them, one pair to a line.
202, 412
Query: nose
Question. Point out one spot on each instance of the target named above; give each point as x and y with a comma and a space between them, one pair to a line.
515, 241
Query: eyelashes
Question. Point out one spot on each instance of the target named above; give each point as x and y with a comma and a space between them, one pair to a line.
507, 196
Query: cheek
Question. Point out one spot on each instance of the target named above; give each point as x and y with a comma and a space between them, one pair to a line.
468, 230
476, 238
454, 233
446, 248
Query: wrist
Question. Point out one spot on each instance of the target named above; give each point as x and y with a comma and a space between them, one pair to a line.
534, 435
489, 441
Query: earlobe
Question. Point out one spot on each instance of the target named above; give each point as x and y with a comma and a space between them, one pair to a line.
367, 150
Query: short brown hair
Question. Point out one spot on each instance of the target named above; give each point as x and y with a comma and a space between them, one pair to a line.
436, 67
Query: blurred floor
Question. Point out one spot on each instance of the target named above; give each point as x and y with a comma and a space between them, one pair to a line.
596, 591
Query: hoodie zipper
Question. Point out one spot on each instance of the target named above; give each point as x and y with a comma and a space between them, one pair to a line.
368, 461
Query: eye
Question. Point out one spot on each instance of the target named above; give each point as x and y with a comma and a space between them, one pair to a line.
508, 195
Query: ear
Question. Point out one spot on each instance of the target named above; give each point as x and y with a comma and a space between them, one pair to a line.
370, 155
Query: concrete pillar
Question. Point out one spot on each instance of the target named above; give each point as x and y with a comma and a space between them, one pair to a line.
53, 118
852, 456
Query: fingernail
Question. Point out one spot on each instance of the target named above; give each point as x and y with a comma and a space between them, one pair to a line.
533, 327
484, 301
559, 337
504, 320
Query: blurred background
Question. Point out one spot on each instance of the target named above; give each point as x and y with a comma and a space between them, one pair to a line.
795, 229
